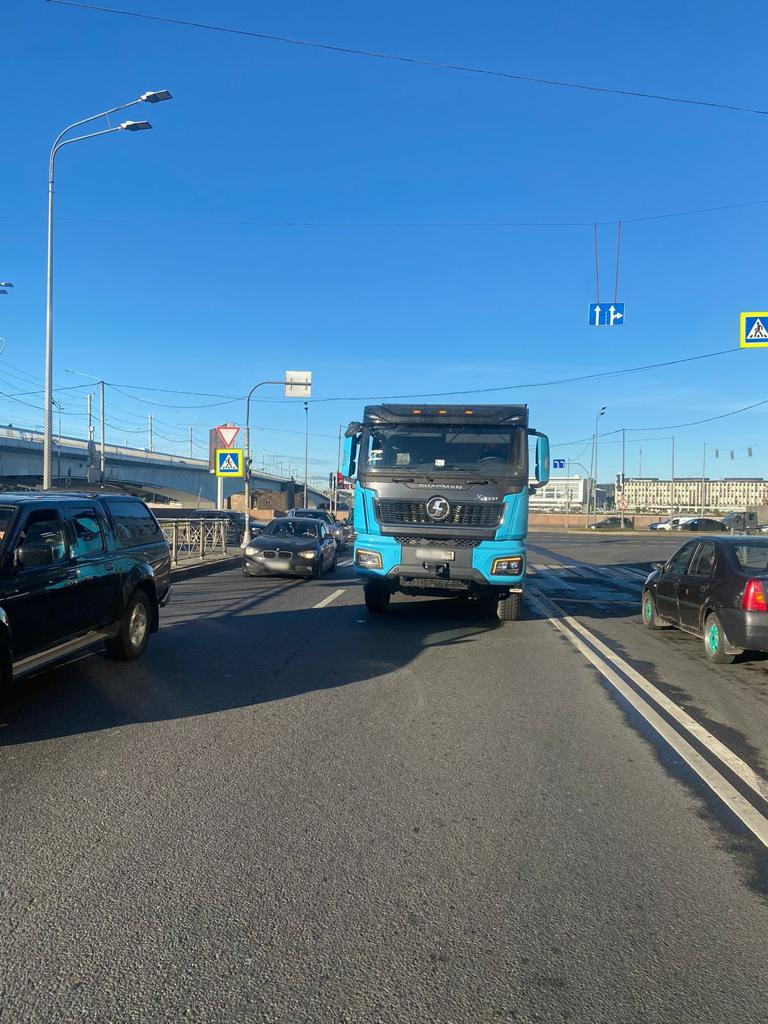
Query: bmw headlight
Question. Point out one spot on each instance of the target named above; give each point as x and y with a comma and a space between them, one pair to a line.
251, 551
306, 554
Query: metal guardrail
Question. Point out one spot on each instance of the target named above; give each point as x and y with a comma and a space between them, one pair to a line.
194, 538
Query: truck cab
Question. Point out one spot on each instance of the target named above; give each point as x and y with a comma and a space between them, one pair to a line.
441, 501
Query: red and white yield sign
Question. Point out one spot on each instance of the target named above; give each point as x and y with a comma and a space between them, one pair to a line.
227, 433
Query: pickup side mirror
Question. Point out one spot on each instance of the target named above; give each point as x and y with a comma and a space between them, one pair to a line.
658, 566
29, 555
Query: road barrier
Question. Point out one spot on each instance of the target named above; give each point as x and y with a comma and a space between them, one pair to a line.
195, 538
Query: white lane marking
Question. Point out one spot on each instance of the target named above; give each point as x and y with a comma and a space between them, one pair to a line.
331, 597
347, 561
574, 631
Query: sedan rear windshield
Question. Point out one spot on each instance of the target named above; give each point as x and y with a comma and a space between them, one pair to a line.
752, 554
291, 528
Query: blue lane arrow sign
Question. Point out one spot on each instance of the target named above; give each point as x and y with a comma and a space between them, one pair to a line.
558, 463
606, 315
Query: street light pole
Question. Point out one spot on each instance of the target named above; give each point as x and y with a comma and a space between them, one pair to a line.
247, 467
58, 143
594, 460
306, 450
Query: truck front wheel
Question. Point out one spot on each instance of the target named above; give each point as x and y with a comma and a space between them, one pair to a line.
376, 597
509, 607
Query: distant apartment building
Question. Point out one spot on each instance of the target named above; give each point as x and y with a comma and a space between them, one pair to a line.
560, 493
690, 493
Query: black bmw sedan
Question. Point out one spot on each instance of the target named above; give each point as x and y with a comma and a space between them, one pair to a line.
292, 547
716, 589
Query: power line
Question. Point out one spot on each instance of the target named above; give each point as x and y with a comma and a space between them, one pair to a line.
534, 384
398, 58
480, 224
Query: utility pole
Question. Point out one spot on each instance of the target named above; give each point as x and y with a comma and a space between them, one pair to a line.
567, 492
703, 475
103, 458
306, 450
90, 416
338, 471
672, 482
149, 438
190, 443
623, 467
640, 466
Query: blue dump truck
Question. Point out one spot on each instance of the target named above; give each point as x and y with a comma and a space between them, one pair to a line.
441, 501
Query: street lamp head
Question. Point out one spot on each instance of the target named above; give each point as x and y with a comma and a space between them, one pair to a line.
602, 410
155, 97
135, 126
6, 284
3, 291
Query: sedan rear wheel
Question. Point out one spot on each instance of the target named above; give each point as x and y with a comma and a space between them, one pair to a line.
715, 642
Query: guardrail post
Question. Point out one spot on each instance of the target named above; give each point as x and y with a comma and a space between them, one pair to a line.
202, 538
175, 542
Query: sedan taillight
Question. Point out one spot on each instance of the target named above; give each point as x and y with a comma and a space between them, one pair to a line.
754, 597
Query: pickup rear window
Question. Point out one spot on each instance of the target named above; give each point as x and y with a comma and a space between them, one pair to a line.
134, 523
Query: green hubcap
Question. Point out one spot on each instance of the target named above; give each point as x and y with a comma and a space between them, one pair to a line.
713, 638
647, 609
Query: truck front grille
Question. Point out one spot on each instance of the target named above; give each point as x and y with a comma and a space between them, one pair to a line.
440, 542
462, 513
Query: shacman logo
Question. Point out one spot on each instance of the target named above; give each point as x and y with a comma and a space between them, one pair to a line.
438, 508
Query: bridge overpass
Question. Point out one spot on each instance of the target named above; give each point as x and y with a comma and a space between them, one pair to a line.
133, 470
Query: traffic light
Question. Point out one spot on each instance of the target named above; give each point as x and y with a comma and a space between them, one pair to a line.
619, 483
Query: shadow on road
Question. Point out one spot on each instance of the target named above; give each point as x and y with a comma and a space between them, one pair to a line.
233, 654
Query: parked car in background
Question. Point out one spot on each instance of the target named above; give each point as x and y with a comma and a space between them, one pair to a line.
335, 527
702, 524
611, 523
349, 529
77, 570
716, 589
291, 546
671, 524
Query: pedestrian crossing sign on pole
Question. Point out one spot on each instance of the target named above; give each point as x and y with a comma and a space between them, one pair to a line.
229, 462
754, 330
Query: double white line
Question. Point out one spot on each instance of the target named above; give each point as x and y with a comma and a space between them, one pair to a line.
609, 665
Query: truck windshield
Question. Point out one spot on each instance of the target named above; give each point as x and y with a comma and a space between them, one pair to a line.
498, 451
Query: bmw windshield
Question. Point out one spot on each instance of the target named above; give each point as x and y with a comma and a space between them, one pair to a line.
436, 450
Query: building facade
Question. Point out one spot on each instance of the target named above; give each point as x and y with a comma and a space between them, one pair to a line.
561, 493
690, 494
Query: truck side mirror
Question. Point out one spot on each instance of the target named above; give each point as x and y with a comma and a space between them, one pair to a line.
542, 460
349, 462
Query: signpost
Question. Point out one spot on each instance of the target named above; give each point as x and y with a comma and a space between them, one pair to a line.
754, 330
601, 314
220, 438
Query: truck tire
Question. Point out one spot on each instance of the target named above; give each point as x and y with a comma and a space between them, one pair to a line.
376, 598
134, 630
509, 607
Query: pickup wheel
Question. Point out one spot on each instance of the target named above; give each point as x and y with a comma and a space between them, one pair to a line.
509, 607
134, 630
377, 598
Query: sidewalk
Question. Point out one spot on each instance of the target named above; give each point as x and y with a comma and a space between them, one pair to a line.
200, 566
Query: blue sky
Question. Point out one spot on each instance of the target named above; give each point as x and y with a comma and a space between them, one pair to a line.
171, 270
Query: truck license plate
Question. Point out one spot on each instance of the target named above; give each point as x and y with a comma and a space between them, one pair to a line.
435, 555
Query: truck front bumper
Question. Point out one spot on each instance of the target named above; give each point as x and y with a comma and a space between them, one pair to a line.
421, 567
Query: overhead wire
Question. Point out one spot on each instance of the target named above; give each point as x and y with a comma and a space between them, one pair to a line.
400, 59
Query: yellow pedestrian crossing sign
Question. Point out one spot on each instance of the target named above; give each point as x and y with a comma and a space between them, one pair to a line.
229, 462
754, 330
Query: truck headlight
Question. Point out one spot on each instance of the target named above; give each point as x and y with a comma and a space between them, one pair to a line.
368, 559
507, 566
306, 554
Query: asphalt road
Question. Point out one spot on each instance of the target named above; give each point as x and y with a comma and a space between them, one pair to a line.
291, 812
